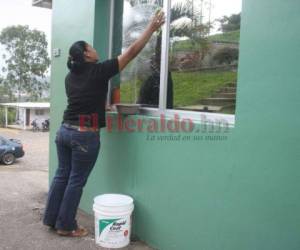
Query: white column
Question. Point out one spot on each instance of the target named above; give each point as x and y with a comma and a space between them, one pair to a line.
165, 57
24, 117
6, 121
110, 46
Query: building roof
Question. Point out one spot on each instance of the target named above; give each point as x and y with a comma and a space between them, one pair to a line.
27, 104
42, 3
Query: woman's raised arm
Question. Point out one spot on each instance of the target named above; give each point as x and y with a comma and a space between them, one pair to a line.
134, 49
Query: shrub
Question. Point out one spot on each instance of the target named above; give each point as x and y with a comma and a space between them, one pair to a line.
226, 56
11, 116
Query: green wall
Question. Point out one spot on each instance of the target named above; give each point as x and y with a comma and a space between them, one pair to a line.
86, 20
237, 194
70, 22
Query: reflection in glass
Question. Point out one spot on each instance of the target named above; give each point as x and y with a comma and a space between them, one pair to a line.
203, 55
140, 79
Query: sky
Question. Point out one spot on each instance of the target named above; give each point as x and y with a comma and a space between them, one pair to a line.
219, 8
14, 12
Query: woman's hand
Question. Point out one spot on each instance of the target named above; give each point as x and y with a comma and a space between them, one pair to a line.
134, 49
157, 21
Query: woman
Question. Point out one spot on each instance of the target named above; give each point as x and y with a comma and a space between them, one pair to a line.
78, 138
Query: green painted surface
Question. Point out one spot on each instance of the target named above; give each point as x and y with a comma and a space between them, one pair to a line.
238, 194
117, 37
101, 28
70, 22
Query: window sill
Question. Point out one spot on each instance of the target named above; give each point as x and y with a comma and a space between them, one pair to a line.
196, 117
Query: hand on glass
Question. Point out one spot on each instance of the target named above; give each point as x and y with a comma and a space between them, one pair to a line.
157, 21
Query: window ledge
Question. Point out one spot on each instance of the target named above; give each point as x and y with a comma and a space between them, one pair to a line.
196, 117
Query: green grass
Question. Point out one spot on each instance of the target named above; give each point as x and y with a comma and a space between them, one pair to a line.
233, 36
189, 87
129, 91
186, 45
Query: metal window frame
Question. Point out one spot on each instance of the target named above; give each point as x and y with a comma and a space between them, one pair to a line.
164, 57
110, 45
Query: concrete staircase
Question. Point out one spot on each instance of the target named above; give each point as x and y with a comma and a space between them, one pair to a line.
224, 98
222, 101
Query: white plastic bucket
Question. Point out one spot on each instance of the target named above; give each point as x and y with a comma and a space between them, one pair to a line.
113, 220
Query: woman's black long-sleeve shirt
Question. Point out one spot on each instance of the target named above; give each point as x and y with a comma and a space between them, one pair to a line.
87, 91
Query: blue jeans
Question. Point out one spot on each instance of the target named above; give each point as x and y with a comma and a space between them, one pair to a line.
77, 154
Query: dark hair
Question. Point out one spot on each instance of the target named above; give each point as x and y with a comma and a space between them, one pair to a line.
76, 60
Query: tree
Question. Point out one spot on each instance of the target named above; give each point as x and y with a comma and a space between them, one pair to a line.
226, 55
230, 23
4, 92
26, 60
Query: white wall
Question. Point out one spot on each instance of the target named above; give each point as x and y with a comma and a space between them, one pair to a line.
40, 118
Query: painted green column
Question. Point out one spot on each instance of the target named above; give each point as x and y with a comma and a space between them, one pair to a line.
117, 36
70, 23
101, 28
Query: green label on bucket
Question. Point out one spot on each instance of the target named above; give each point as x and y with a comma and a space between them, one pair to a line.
104, 223
113, 232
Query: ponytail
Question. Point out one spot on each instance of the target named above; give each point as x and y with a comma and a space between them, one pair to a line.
76, 60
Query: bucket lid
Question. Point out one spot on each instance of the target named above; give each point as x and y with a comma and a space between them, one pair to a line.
113, 200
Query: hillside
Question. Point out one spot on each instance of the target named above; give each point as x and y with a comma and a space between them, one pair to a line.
232, 37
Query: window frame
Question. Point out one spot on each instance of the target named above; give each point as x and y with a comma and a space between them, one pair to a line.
195, 116
110, 45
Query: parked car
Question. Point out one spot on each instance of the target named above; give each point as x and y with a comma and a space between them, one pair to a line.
10, 150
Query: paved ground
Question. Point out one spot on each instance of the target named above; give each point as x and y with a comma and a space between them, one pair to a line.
23, 191
36, 146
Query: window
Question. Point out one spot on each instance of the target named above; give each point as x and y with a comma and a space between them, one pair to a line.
39, 112
191, 66
140, 80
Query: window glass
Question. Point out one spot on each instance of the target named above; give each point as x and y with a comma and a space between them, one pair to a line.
141, 78
203, 55
39, 112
